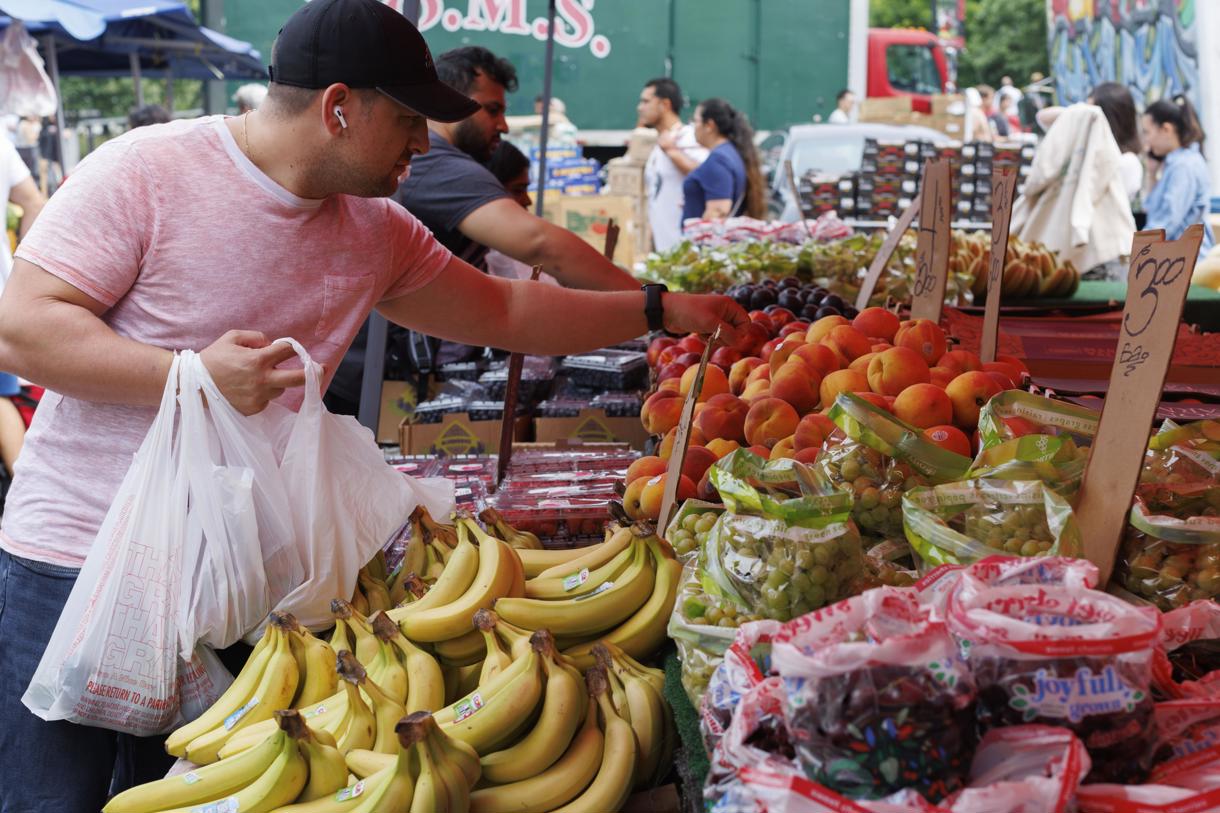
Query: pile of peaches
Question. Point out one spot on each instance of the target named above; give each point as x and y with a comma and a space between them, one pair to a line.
770, 391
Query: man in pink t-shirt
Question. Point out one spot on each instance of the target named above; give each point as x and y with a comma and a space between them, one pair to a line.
216, 235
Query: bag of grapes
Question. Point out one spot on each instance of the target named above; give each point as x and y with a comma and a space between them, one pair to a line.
879, 430
960, 523
689, 527
1188, 659
775, 557
703, 625
1028, 437
878, 697
1184, 455
1024, 768
1061, 655
746, 664
1170, 553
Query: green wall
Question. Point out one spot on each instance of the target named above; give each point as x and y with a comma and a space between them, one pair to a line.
780, 60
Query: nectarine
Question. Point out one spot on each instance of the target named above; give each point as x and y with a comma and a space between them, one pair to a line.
969, 392
893, 370
923, 405
842, 381
715, 382
812, 431
647, 466
723, 416
949, 437
877, 323
661, 412
924, 337
769, 420
797, 384
822, 327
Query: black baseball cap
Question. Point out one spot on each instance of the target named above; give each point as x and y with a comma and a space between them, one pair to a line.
364, 44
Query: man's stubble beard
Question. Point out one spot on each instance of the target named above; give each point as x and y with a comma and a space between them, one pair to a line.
469, 138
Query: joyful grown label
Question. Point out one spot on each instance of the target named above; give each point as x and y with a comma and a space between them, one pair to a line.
465, 708
1076, 697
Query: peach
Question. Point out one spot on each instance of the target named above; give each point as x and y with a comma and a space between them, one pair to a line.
673, 385
762, 451
923, 405
1019, 427
812, 431
1001, 379
654, 493
740, 371
724, 416
949, 437
725, 357
722, 446
924, 337
781, 317
751, 338
784, 352
884, 402
861, 364
783, 449
705, 490
648, 466
960, 361
673, 370
842, 381
688, 359
822, 327
969, 392
1012, 371
668, 354
794, 328
661, 412
769, 420
1014, 361
763, 318
693, 344
693, 438
769, 348
808, 455
848, 341
631, 497
892, 371
877, 323
941, 376
714, 382
760, 373
656, 346
820, 357
879, 346
756, 390
697, 461
795, 383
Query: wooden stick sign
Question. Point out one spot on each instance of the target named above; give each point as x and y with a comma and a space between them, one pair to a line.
796, 197
1156, 293
677, 456
877, 268
612, 231
935, 234
1003, 191
508, 423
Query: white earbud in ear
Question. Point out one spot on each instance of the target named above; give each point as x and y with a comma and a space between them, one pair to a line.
339, 116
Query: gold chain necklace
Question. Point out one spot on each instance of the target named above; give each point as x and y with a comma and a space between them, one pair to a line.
245, 135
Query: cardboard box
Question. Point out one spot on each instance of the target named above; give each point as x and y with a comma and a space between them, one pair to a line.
398, 400
591, 426
456, 434
588, 216
623, 178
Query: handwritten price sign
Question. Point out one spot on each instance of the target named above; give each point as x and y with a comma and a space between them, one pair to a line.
1003, 190
932, 250
1156, 291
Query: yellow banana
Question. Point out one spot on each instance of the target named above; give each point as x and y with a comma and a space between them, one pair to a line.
450, 771
358, 728
315, 663
360, 602
580, 582
496, 659
444, 535
387, 711
516, 586
234, 698
387, 669
655, 677
517, 639
616, 775
341, 637
456, 578
425, 683
364, 763
592, 557
434, 564
492, 580
603, 609
647, 716
557, 785
431, 794
278, 785
275, 691
489, 718
376, 592
367, 646
327, 771
344, 800
462, 755
535, 562
201, 785
643, 633
322, 718
461, 680
394, 788
522, 540
461, 651
563, 708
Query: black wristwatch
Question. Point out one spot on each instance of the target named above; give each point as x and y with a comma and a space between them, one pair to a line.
652, 305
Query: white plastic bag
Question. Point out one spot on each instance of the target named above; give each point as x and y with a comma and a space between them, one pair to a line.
113, 660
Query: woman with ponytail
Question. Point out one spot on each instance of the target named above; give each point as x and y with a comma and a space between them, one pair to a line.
729, 182
1181, 196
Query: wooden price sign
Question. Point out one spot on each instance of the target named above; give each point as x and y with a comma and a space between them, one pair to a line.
935, 233
516, 361
883, 255
796, 197
1003, 192
1156, 293
677, 455
611, 239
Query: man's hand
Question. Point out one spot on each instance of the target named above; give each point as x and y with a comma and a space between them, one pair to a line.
667, 140
703, 313
243, 365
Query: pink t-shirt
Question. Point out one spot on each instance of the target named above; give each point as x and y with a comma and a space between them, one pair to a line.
183, 238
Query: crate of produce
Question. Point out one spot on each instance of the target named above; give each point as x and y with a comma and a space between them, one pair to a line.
608, 370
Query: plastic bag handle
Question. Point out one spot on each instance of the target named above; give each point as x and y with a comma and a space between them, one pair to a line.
313, 375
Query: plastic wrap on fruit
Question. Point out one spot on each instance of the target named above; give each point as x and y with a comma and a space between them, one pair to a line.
1187, 731
881, 431
689, 527
1186, 783
755, 739
1187, 663
1024, 768
703, 625
878, 697
1065, 656
1184, 455
1170, 553
746, 664
960, 523
875, 483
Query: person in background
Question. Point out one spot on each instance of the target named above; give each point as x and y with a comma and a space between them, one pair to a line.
249, 97
1032, 100
845, 105
729, 182
1118, 106
1010, 90
998, 123
674, 156
1008, 109
146, 115
512, 168
1177, 185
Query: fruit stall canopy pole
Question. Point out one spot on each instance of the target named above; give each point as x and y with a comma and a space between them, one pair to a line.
548, 72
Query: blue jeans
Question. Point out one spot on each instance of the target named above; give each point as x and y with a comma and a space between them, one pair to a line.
56, 767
